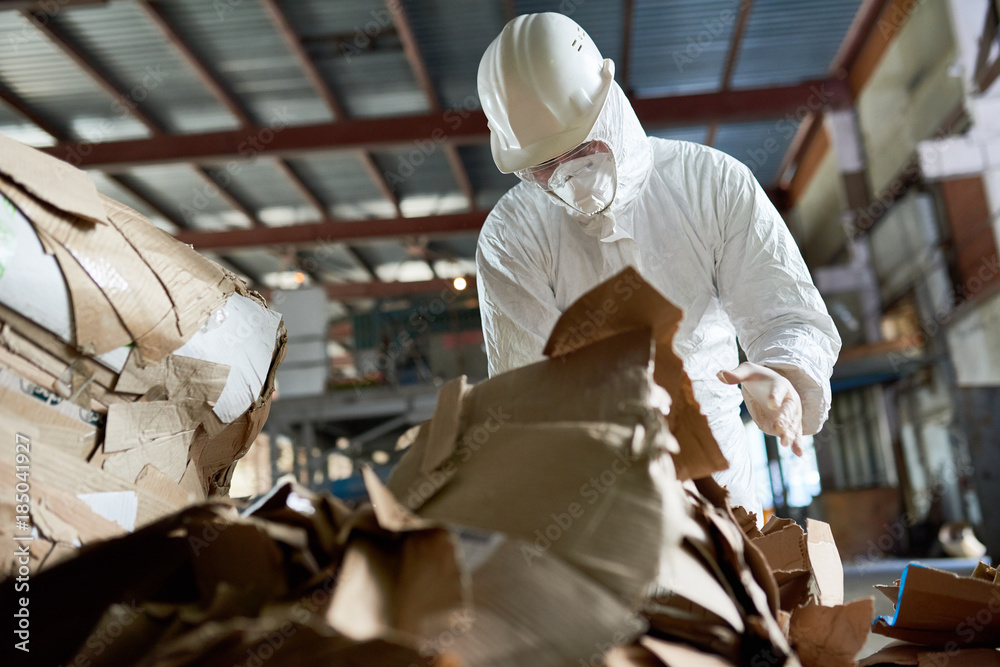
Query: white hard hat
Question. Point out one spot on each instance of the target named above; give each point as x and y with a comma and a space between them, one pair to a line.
542, 84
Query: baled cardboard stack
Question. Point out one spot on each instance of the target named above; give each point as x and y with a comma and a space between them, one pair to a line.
133, 371
553, 515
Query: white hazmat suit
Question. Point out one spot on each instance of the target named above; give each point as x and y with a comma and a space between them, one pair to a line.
698, 227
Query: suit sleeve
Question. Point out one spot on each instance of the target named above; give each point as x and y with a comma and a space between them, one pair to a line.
765, 287
515, 299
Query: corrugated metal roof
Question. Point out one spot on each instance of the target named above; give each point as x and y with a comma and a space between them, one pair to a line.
239, 41
760, 146
110, 188
677, 47
342, 182
355, 46
48, 81
263, 188
680, 46
17, 127
451, 34
185, 195
487, 181
695, 133
336, 264
787, 41
133, 51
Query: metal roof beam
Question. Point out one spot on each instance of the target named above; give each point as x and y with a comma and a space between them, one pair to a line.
453, 126
231, 200
287, 33
731, 58
46, 24
423, 76
862, 49
335, 231
215, 86
46, 6
340, 291
20, 106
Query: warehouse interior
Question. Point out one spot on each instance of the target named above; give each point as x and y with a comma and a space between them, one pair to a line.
335, 156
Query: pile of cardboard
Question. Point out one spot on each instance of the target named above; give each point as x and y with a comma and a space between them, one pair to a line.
133, 371
941, 619
559, 514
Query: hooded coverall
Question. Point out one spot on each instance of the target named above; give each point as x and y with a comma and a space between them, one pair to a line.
698, 227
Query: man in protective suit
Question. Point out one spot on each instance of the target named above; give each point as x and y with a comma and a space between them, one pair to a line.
598, 195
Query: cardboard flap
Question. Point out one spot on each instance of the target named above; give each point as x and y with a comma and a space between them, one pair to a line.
625, 303
444, 427
570, 488
53, 181
785, 549
935, 607
608, 381
825, 563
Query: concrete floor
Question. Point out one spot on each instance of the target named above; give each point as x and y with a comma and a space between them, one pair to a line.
860, 578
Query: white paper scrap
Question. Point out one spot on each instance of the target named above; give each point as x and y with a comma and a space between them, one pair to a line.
118, 506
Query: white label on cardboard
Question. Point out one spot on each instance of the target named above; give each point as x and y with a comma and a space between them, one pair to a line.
118, 506
241, 335
32, 284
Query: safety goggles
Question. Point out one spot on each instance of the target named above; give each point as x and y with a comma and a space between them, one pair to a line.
555, 173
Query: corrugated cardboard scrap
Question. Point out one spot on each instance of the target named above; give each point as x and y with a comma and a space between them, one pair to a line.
511, 454
538, 519
209, 586
139, 367
945, 617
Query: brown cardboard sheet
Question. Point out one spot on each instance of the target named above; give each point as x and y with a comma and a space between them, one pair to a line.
627, 302
915, 655
830, 636
60, 184
938, 608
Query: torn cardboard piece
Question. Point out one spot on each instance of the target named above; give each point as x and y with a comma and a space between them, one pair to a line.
627, 302
602, 512
920, 656
806, 565
830, 636
938, 608
59, 183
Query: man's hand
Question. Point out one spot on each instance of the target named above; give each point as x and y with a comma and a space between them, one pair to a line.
772, 401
